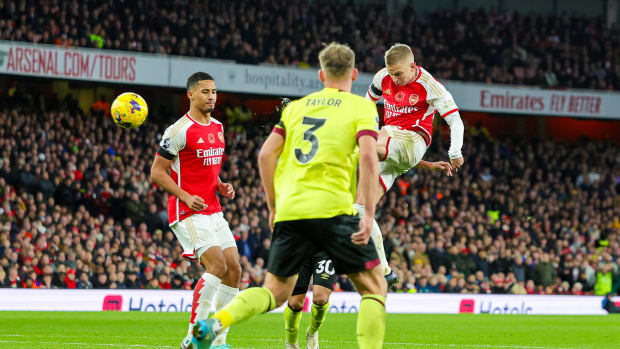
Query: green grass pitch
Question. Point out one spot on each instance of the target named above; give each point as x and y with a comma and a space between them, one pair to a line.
165, 330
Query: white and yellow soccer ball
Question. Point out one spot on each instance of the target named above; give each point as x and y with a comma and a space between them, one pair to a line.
129, 110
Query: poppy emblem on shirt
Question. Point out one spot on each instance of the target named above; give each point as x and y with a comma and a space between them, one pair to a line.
211, 138
413, 99
220, 135
400, 96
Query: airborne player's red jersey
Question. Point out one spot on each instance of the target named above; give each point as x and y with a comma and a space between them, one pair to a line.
412, 106
196, 150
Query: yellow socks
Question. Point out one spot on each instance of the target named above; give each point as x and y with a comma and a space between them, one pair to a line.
251, 302
291, 324
319, 312
371, 322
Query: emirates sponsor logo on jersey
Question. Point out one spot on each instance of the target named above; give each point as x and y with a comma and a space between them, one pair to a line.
211, 138
392, 111
401, 110
205, 153
413, 99
200, 141
211, 156
400, 96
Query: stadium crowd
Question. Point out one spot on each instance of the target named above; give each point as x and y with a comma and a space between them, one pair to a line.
77, 210
488, 47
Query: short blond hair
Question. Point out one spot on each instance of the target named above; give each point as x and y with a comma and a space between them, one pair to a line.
337, 60
398, 53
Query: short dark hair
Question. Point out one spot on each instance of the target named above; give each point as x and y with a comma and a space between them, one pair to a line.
195, 78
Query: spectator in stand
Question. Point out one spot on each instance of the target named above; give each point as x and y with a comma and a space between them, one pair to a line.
604, 279
132, 280
544, 272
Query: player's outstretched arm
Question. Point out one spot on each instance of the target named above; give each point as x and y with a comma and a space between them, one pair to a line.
449, 111
267, 161
369, 172
159, 175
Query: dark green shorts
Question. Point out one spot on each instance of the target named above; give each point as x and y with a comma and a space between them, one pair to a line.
296, 241
321, 269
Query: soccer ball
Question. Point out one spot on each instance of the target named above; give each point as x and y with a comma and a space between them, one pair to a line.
129, 110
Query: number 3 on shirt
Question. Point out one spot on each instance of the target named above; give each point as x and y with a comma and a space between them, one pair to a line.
309, 136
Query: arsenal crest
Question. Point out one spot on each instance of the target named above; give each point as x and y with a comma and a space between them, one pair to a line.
211, 138
413, 99
400, 96
220, 135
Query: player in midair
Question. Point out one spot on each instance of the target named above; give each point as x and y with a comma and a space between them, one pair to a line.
411, 98
192, 148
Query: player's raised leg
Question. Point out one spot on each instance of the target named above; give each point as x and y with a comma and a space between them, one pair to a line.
247, 304
289, 249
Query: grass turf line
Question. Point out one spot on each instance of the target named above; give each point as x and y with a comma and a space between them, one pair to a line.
165, 330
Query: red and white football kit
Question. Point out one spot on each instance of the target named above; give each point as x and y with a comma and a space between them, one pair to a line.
409, 114
196, 151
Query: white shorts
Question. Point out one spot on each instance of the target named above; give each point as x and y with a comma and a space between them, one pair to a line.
198, 233
403, 151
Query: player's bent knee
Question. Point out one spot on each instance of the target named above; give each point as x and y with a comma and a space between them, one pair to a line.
296, 303
296, 307
320, 300
320, 296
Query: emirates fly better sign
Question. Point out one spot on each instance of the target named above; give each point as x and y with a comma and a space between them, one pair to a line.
536, 101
